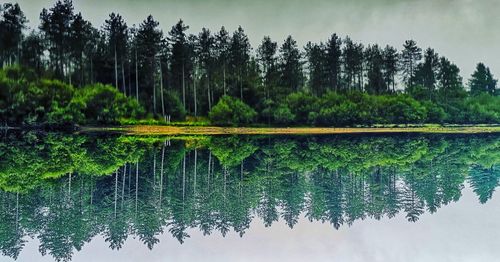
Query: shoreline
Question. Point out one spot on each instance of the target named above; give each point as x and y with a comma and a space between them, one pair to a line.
214, 130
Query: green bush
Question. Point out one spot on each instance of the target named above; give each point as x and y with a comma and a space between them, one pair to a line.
104, 104
231, 112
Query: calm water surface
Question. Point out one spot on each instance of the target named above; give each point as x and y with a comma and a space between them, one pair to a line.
305, 198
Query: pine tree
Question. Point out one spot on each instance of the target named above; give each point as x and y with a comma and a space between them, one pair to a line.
290, 65
56, 28
12, 23
390, 66
410, 57
482, 81
333, 58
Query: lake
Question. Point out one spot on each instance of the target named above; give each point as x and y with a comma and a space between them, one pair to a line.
357, 197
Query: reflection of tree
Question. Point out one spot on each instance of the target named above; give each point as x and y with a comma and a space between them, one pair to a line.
484, 181
122, 186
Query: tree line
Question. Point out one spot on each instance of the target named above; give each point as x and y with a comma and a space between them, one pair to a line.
178, 72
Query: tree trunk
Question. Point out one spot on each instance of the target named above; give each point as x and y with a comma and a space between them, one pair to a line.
116, 70
183, 88
161, 90
194, 94
136, 78
123, 80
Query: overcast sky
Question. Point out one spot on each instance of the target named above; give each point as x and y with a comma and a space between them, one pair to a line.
466, 31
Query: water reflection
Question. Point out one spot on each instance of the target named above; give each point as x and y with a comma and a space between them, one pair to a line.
64, 190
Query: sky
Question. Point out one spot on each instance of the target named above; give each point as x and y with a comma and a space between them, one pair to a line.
465, 31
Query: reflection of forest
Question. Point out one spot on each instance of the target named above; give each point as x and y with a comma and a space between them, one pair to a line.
64, 190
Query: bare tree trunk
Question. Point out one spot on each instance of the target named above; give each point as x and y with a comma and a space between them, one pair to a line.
136, 186
183, 88
116, 70
123, 80
195, 167
209, 94
224, 78
161, 173
194, 94
154, 90
161, 90
116, 189
136, 77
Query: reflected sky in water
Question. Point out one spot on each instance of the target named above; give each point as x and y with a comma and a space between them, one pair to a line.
342, 198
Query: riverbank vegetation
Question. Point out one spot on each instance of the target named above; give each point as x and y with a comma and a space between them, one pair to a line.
68, 71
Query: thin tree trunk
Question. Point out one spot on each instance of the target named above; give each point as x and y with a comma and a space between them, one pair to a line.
154, 91
116, 70
209, 94
194, 94
123, 80
161, 172
136, 78
224, 78
136, 186
183, 88
161, 90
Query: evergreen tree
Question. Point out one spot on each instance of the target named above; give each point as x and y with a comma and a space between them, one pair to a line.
266, 55
180, 61
482, 81
12, 23
56, 28
333, 61
374, 58
426, 72
449, 79
80, 38
222, 44
390, 66
319, 72
32, 52
239, 57
353, 64
149, 40
410, 57
290, 65
206, 53
117, 36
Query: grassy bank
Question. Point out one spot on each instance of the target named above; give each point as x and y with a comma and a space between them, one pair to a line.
213, 130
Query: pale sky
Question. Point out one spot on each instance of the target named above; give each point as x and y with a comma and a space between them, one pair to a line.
465, 31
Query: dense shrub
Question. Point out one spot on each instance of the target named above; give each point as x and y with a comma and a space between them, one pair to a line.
26, 100
230, 111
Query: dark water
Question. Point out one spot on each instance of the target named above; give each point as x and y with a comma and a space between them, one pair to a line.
305, 198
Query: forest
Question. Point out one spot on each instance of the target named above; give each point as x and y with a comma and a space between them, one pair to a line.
66, 190
68, 71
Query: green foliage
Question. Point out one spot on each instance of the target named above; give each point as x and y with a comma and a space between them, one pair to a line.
104, 104
31, 101
231, 111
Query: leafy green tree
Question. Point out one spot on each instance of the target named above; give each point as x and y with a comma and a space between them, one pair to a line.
231, 112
